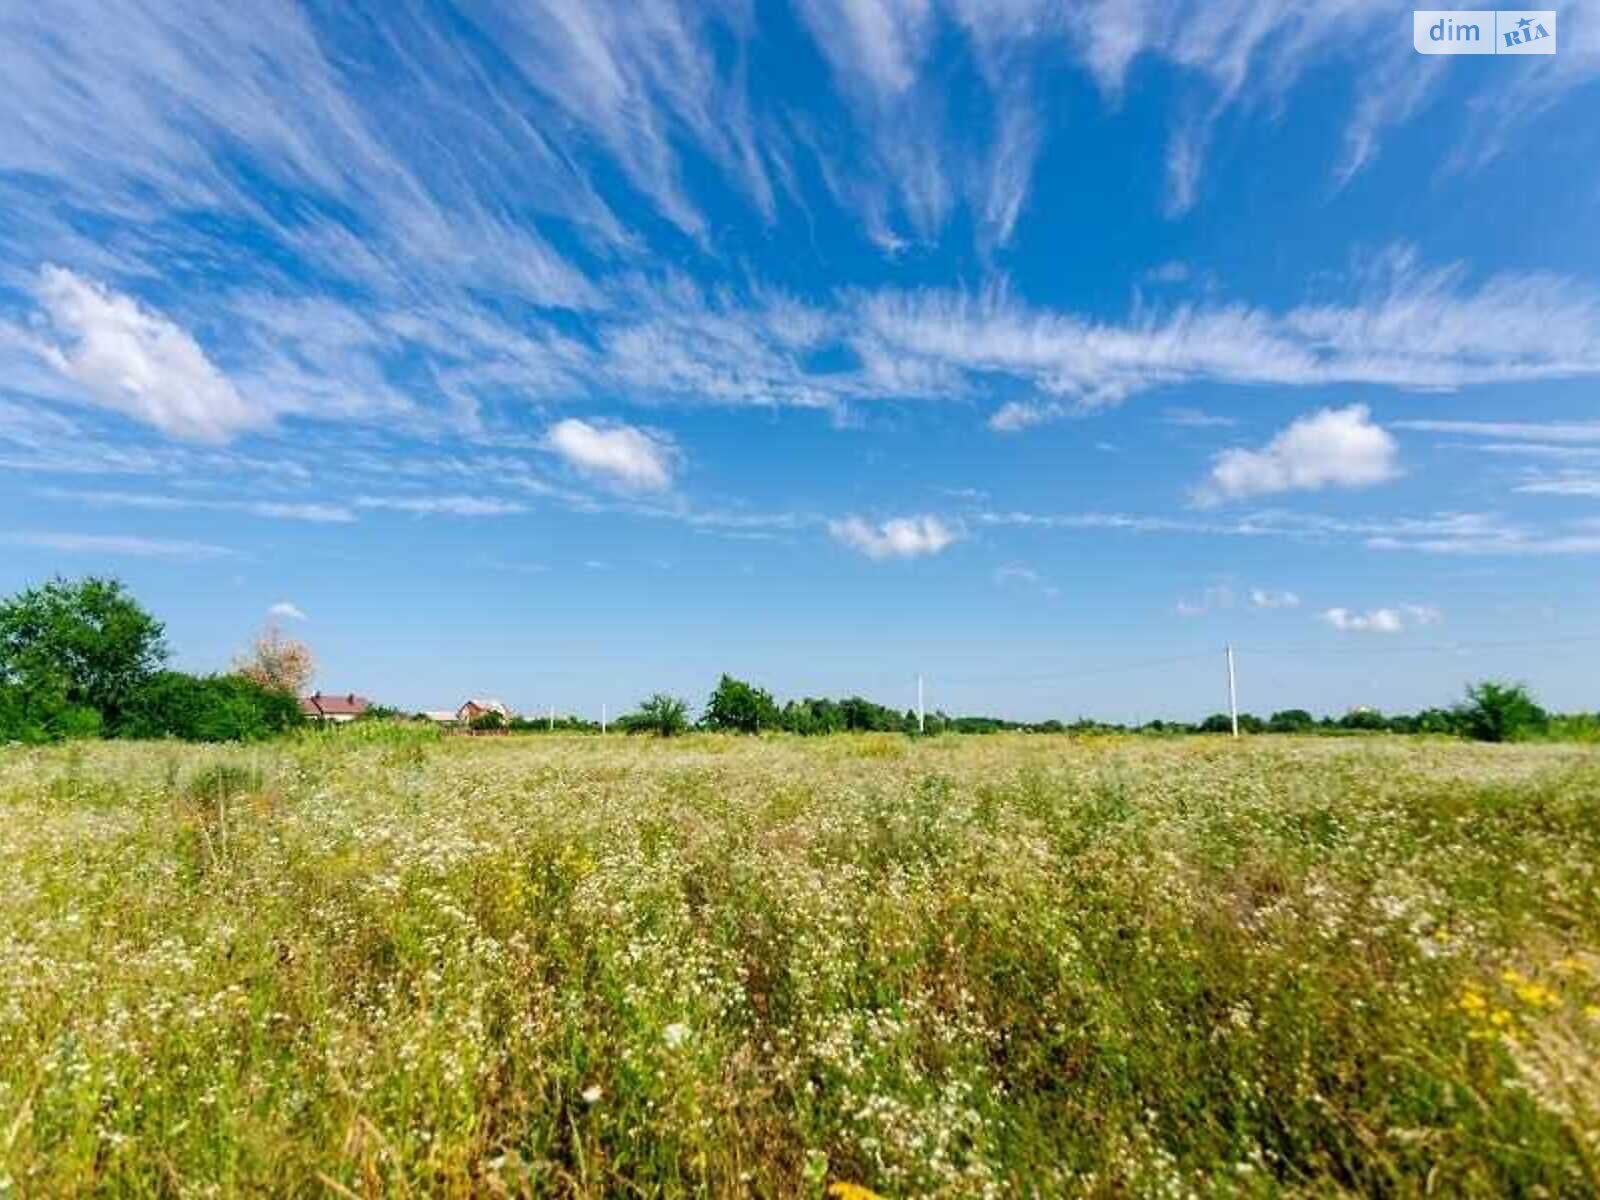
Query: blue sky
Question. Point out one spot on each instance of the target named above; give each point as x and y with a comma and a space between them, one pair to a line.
563, 351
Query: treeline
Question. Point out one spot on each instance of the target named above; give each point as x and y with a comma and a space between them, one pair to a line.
83, 659
1491, 712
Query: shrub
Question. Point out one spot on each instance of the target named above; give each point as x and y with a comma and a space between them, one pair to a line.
1500, 712
44, 714
661, 714
208, 708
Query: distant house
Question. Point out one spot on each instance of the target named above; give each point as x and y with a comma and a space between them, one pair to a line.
334, 709
439, 716
480, 705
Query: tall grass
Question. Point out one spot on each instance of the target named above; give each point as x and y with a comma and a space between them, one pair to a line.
988, 966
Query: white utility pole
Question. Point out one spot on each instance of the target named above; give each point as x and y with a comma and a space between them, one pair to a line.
1233, 695
921, 720
552, 718
602, 718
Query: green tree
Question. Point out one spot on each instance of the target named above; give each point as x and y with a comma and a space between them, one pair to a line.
1495, 711
661, 714
83, 644
739, 707
1364, 719
1291, 720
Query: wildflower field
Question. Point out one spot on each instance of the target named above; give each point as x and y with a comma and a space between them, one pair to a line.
961, 966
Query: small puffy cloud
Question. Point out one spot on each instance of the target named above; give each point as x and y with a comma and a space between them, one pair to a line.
1014, 416
1332, 447
288, 611
1265, 598
631, 458
901, 537
137, 362
1381, 620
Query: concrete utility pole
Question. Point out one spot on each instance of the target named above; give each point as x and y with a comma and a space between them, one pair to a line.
602, 718
552, 718
1233, 695
921, 719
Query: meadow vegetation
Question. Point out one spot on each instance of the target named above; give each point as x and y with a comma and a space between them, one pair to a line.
387, 963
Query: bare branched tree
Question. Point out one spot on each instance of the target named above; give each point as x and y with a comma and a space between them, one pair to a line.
279, 662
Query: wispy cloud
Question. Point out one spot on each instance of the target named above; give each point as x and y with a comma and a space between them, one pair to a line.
900, 537
1532, 431
454, 506
1217, 596
277, 510
287, 610
114, 544
1194, 418
1020, 575
1333, 447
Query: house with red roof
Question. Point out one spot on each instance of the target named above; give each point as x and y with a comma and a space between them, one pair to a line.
334, 709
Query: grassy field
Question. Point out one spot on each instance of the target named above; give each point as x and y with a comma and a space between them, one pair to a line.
962, 967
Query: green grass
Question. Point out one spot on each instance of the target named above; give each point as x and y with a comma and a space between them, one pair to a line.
967, 966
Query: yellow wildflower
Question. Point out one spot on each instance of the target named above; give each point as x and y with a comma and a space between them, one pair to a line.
1592, 1011
1500, 1018
1472, 1002
840, 1190
1537, 995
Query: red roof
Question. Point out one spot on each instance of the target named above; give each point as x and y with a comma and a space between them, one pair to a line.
346, 705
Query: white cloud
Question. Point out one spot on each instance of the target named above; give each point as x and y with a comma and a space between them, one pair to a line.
1381, 620
276, 510
1265, 598
285, 609
117, 544
1194, 418
322, 513
1022, 575
1185, 158
137, 362
1534, 431
1217, 596
631, 458
454, 506
1172, 271
901, 537
1333, 447
1565, 485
